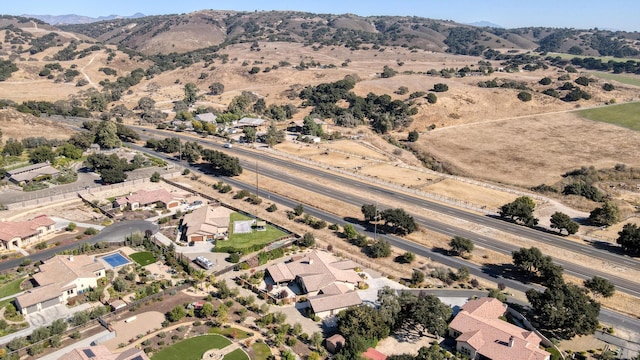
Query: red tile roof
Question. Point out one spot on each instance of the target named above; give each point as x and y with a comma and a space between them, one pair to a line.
144, 197
481, 328
23, 229
374, 354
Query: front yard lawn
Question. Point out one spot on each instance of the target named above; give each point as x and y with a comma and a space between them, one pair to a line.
10, 288
143, 258
192, 349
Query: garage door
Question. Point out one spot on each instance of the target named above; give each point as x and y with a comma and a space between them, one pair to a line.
196, 238
51, 302
173, 204
32, 309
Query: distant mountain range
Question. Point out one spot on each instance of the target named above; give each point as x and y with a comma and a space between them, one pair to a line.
485, 24
71, 19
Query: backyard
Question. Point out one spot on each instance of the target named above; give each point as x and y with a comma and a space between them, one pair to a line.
625, 115
247, 240
143, 258
192, 349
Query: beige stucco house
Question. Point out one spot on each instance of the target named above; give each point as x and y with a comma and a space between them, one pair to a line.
60, 278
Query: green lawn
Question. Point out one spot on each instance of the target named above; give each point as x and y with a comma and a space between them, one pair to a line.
261, 350
255, 237
143, 258
236, 354
239, 334
192, 349
625, 79
10, 288
625, 115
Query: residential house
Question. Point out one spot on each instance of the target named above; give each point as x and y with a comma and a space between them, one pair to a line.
60, 278
250, 122
206, 117
143, 198
481, 334
101, 352
328, 282
206, 223
16, 234
29, 173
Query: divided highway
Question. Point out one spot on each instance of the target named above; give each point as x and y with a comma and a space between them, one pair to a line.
606, 316
378, 192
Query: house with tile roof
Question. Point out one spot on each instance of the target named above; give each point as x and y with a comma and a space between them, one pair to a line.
60, 278
329, 283
206, 223
144, 198
481, 334
17, 234
101, 352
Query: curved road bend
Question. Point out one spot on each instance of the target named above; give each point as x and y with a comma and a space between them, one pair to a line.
623, 285
381, 191
115, 232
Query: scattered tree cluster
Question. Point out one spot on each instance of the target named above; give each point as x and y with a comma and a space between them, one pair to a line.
363, 326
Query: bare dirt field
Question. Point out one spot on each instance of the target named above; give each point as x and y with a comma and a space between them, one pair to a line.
533, 150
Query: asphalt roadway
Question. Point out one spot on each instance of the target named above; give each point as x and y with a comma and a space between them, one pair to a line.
606, 316
115, 232
380, 192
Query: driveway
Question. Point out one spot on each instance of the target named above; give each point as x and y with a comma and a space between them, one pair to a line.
120, 230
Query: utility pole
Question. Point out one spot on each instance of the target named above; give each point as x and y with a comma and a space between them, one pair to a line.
375, 224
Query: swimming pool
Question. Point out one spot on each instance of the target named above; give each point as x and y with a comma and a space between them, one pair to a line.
116, 260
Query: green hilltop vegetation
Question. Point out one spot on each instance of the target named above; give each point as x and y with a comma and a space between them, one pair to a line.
625, 115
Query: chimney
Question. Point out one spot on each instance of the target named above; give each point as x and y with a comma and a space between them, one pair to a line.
70, 257
511, 339
310, 261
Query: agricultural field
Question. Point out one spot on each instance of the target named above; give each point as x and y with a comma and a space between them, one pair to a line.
625, 115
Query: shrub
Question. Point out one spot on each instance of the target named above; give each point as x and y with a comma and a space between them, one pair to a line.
272, 208
432, 98
90, 231
71, 226
440, 87
524, 96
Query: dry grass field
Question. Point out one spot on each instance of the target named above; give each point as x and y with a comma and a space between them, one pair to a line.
533, 150
17, 125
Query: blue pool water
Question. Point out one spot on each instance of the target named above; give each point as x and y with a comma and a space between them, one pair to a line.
116, 260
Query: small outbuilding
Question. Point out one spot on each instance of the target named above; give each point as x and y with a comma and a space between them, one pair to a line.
334, 343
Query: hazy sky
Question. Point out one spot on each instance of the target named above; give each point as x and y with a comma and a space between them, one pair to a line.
583, 14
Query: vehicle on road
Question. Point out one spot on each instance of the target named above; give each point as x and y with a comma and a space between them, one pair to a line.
228, 145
